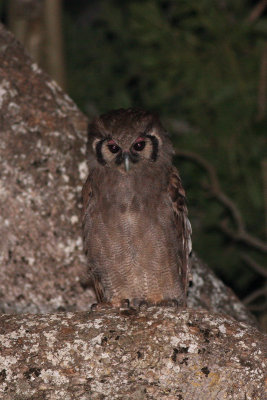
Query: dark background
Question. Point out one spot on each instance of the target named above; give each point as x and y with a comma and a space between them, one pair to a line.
202, 65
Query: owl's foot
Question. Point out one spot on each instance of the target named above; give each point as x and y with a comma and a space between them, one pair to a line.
101, 307
121, 304
125, 304
138, 305
169, 303
135, 305
143, 305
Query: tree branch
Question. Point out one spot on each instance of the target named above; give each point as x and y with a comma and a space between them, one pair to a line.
254, 265
262, 88
255, 295
240, 235
264, 179
257, 11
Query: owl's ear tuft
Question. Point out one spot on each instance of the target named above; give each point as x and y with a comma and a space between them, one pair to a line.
155, 144
96, 129
155, 134
151, 131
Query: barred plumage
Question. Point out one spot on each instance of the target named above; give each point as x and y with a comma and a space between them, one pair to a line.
137, 236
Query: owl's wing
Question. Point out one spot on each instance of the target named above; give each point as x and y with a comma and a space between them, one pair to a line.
183, 226
86, 209
86, 195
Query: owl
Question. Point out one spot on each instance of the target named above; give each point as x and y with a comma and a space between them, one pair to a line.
136, 234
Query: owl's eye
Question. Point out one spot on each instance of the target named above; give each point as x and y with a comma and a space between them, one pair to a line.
113, 147
139, 145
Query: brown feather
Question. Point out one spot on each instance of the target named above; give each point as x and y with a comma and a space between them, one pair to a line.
86, 196
183, 226
135, 228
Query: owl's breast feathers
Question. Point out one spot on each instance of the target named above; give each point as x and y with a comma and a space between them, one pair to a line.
137, 236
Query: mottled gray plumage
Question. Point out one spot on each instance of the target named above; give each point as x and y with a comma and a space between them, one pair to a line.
135, 227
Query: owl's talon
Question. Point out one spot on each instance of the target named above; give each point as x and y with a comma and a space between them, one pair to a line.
125, 303
174, 303
100, 307
143, 305
134, 303
169, 303
94, 307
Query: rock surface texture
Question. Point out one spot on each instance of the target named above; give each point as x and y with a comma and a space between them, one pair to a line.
160, 353
42, 169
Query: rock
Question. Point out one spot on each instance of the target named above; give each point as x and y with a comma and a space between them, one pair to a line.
161, 353
42, 169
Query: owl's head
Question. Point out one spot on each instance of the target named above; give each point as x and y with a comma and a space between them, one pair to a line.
126, 139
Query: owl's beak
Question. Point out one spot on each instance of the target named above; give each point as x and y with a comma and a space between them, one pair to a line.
127, 162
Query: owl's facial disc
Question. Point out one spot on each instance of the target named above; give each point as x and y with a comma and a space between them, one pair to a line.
146, 147
106, 150
109, 152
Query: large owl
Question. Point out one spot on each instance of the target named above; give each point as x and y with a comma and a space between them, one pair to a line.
135, 227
